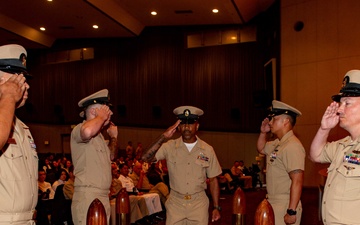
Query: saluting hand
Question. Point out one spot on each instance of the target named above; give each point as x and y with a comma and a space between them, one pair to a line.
330, 117
265, 126
13, 88
103, 112
112, 130
171, 130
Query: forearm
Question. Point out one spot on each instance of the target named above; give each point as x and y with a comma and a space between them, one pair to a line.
297, 179
214, 190
140, 182
318, 144
260, 145
149, 153
91, 128
7, 111
113, 147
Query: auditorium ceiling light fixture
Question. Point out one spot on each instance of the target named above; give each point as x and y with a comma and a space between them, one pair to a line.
154, 13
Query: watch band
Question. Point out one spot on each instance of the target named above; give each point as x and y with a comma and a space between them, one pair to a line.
291, 212
217, 207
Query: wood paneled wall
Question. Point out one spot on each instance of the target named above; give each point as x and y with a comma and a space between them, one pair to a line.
148, 76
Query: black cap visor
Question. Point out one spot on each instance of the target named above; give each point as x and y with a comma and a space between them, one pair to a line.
102, 101
276, 112
188, 121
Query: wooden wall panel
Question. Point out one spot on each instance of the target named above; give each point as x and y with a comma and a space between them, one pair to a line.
149, 76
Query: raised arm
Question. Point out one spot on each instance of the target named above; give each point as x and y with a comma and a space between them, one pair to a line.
11, 92
93, 126
329, 120
264, 128
149, 153
113, 133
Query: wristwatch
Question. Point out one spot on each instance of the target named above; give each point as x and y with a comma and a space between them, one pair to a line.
218, 208
291, 212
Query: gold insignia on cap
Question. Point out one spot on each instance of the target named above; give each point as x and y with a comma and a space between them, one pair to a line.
345, 81
187, 112
23, 59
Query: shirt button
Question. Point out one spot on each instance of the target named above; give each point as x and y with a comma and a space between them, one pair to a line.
324, 202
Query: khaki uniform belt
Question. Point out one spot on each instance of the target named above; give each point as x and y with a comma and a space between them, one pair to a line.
12, 217
279, 197
187, 196
92, 189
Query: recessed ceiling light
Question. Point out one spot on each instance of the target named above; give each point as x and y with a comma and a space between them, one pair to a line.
215, 10
42, 28
154, 13
95, 26
49, 0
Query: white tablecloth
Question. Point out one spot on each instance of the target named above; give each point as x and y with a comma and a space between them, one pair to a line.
153, 204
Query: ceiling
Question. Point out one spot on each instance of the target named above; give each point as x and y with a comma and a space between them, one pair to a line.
20, 20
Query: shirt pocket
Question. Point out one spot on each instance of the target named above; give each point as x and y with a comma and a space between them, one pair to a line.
13, 165
202, 163
351, 172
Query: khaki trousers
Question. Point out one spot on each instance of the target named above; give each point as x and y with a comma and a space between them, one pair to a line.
185, 210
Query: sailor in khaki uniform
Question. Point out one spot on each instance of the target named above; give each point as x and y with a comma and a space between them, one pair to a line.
341, 199
190, 162
91, 155
285, 163
18, 160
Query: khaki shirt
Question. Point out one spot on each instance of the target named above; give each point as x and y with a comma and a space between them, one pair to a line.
91, 159
68, 189
145, 185
19, 172
188, 170
341, 198
284, 156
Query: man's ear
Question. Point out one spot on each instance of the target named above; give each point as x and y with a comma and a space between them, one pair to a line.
197, 127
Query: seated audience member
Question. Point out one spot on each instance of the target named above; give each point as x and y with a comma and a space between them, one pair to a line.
61, 208
130, 164
254, 172
69, 184
62, 178
239, 176
45, 190
138, 208
139, 177
121, 160
159, 187
47, 165
46, 194
129, 150
63, 162
68, 163
52, 174
125, 180
226, 180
